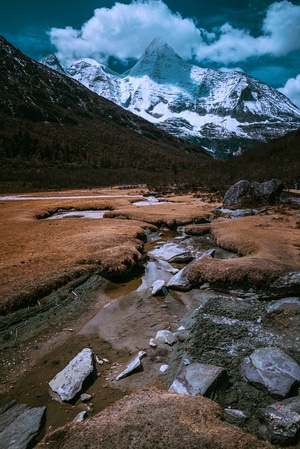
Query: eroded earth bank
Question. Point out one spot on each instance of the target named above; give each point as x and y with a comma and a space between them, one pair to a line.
222, 283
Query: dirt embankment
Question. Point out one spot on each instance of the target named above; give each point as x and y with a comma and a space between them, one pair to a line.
154, 419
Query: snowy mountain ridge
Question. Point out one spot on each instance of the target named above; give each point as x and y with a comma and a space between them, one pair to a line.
221, 111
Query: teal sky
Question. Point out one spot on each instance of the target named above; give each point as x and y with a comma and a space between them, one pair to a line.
260, 37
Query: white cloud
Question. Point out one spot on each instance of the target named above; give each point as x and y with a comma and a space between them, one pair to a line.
124, 31
281, 29
292, 90
280, 36
226, 45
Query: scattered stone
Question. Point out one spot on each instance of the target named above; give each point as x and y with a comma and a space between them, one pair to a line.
281, 421
272, 369
157, 287
134, 366
20, 425
165, 336
152, 343
68, 382
90, 408
186, 361
80, 417
198, 378
234, 416
164, 368
99, 361
85, 397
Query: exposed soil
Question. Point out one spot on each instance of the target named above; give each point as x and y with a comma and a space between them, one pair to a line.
38, 341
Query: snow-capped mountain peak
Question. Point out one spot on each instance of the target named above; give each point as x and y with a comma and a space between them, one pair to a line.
160, 63
222, 111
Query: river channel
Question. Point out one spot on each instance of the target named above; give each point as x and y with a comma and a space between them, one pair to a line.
114, 319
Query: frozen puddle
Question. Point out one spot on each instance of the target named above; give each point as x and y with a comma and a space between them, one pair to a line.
77, 214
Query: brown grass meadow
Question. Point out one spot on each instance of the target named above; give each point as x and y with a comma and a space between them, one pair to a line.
38, 256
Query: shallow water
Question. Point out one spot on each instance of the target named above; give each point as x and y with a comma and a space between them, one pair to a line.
77, 214
127, 318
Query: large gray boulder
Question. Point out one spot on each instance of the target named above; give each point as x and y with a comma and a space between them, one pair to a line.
244, 192
199, 378
68, 382
281, 421
272, 369
20, 425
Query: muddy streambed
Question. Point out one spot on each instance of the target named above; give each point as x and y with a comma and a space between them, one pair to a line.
118, 319
114, 319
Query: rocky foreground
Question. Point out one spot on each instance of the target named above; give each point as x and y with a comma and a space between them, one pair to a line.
223, 361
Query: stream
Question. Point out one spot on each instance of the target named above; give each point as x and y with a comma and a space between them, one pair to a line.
128, 316
118, 319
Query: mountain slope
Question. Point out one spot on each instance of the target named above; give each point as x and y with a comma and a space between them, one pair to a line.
278, 159
57, 133
221, 111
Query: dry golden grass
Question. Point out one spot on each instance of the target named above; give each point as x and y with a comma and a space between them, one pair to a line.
269, 245
38, 256
153, 419
177, 211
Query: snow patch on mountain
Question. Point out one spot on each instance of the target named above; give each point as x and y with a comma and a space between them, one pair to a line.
221, 111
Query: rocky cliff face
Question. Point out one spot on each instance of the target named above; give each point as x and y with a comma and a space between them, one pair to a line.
222, 111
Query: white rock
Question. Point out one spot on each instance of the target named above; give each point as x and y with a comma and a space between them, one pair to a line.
85, 397
165, 336
163, 368
133, 366
157, 286
152, 343
80, 417
68, 382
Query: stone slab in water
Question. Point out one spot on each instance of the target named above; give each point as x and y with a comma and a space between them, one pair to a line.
170, 251
68, 382
20, 425
180, 280
272, 369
